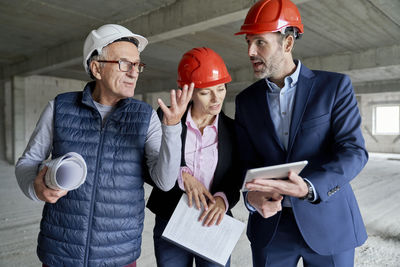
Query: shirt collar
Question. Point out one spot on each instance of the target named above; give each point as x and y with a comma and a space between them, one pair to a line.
190, 122
290, 81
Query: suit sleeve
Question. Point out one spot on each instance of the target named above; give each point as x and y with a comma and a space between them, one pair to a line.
348, 150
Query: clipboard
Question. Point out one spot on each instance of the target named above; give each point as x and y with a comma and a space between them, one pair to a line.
274, 172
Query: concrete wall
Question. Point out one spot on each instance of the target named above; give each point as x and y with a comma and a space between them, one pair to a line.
24, 98
39, 90
378, 143
30, 96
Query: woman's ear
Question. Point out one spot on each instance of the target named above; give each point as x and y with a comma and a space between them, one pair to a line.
95, 69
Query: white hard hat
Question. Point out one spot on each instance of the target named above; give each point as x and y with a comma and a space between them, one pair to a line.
105, 35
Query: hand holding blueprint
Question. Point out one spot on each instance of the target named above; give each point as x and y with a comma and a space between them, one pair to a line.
214, 243
67, 172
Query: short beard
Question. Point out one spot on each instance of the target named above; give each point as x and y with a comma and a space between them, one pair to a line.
260, 75
271, 67
267, 72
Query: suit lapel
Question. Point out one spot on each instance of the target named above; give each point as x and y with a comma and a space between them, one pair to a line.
224, 147
183, 136
305, 85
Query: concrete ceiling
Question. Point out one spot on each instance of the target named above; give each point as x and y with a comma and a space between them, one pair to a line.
357, 37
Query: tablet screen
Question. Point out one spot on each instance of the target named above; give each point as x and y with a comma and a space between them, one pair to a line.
274, 172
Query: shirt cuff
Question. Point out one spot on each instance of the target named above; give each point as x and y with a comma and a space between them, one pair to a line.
222, 194
32, 192
180, 178
248, 205
173, 129
314, 191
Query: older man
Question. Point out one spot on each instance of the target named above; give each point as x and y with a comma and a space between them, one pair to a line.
101, 222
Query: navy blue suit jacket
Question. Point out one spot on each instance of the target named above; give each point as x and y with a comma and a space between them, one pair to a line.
325, 130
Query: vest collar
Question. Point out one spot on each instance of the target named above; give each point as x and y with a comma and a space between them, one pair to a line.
87, 98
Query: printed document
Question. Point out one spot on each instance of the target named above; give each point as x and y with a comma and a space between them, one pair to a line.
214, 243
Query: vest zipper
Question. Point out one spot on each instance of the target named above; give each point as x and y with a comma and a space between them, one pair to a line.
99, 152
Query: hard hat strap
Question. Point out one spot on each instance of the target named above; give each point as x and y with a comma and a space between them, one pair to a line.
291, 30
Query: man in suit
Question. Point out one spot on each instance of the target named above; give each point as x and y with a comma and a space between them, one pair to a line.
293, 113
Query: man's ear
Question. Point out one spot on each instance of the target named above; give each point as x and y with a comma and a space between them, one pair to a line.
289, 43
95, 69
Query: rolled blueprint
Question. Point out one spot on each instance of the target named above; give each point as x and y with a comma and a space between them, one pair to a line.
67, 172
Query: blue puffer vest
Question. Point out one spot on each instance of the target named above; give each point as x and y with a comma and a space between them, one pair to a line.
101, 222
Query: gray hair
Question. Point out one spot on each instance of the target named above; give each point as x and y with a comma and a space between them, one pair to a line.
293, 31
103, 52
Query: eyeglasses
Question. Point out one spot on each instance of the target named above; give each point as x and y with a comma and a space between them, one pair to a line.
125, 65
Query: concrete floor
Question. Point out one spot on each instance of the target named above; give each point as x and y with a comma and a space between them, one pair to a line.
377, 189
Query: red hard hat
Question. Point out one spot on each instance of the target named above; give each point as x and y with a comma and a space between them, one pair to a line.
203, 67
271, 16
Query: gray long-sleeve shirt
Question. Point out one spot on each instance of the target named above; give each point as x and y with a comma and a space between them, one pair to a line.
162, 150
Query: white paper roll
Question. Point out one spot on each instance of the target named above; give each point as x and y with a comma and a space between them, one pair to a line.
67, 172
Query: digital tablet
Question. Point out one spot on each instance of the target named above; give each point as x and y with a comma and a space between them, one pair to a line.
274, 172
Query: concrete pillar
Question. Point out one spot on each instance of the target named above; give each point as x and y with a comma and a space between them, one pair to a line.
18, 117
8, 123
2, 121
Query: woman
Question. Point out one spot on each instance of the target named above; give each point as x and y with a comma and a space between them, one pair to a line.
208, 173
